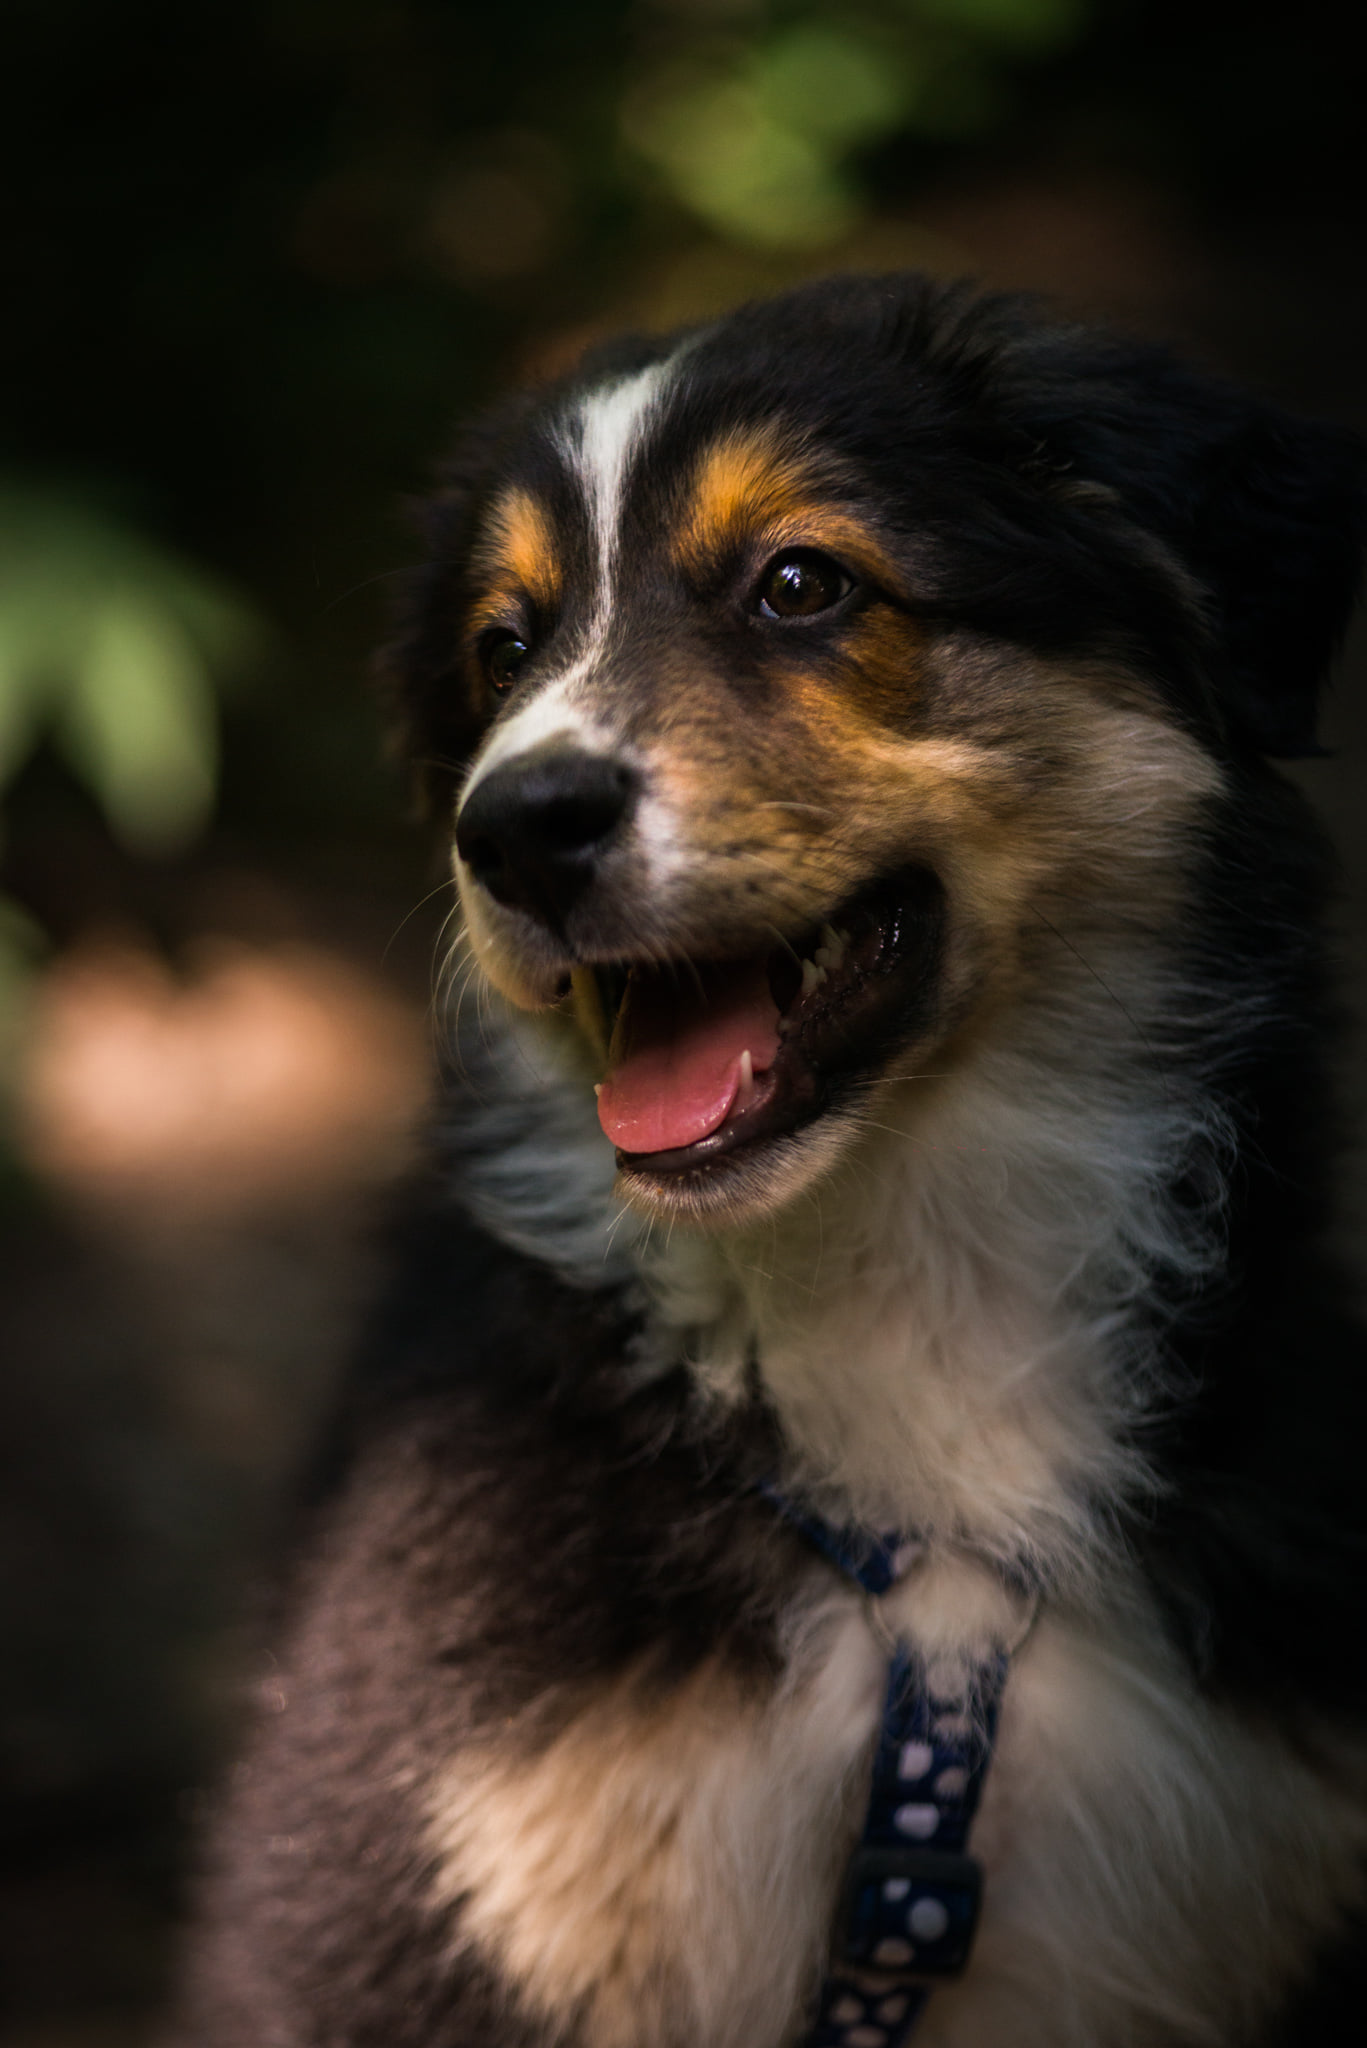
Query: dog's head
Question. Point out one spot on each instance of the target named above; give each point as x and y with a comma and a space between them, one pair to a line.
811, 687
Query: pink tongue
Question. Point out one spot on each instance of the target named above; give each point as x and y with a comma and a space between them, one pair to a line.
676, 1053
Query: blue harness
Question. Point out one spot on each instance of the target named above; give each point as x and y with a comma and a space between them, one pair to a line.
912, 1893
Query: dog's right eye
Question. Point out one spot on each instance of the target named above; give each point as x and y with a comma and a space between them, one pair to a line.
503, 655
801, 583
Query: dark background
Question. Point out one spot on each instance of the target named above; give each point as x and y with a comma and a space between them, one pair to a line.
257, 260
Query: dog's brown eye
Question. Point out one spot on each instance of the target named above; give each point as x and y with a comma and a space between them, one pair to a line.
503, 655
800, 584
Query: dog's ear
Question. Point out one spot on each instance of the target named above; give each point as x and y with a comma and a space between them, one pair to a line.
1267, 514
1278, 514
435, 722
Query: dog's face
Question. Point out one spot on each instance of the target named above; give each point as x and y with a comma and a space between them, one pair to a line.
831, 682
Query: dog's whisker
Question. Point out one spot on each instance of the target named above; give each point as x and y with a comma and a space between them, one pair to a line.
448, 883
784, 803
448, 997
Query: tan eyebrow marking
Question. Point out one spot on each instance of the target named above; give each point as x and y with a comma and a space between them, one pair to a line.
747, 488
517, 555
741, 482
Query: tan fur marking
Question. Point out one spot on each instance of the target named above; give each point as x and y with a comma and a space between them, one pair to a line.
884, 655
742, 481
749, 490
1084, 797
517, 555
665, 1864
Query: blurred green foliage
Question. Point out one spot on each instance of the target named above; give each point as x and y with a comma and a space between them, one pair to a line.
113, 648
754, 127
260, 256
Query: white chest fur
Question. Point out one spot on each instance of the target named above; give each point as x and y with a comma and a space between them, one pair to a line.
947, 1338
666, 1866
946, 1330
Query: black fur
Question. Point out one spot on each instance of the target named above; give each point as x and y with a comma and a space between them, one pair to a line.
515, 1510
979, 425
515, 1521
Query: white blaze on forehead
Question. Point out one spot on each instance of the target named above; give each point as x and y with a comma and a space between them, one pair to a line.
598, 442
611, 425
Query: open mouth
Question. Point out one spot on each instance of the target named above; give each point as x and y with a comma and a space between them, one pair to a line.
709, 1057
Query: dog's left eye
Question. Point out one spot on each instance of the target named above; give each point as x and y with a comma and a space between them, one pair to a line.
800, 584
503, 654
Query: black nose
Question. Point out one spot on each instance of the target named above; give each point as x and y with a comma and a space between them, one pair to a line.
534, 831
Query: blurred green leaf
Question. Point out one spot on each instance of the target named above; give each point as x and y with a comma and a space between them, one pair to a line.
732, 163
829, 84
115, 648
755, 134
139, 725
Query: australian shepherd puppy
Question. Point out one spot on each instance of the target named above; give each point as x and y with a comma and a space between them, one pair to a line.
886, 1126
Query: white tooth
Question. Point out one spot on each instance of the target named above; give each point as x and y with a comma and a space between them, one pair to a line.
597, 1087
812, 976
824, 957
746, 1090
832, 943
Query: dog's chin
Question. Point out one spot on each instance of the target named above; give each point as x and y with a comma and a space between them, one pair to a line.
744, 1182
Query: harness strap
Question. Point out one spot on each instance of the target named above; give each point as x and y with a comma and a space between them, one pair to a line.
910, 1903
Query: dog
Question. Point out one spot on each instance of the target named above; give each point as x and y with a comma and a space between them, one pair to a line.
849, 1522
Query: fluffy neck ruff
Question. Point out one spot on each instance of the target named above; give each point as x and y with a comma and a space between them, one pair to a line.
961, 1329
